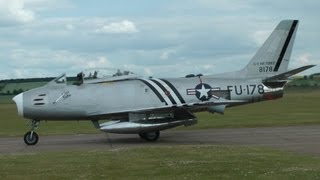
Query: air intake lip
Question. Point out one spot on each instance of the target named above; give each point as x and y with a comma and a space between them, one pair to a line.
18, 99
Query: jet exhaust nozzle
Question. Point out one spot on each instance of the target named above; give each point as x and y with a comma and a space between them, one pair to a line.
273, 93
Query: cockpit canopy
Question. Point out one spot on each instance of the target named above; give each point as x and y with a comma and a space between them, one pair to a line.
96, 76
104, 75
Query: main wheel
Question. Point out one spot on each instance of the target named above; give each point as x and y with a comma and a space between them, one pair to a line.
31, 138
150, 136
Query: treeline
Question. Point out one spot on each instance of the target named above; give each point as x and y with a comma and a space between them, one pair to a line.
314, 76
28, 80
306, 81
21, 88
14, 92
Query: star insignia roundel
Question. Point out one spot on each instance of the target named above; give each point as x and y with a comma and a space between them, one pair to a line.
203, 91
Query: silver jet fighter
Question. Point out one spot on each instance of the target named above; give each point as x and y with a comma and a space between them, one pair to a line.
147, 105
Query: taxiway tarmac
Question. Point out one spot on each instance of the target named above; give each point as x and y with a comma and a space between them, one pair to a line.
302, 139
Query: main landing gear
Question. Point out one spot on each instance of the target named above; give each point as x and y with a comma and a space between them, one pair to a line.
150, 136
31, 137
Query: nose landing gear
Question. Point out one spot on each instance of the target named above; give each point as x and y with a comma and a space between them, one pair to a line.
31, 137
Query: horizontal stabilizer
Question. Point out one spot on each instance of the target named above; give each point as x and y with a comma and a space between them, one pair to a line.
286, 75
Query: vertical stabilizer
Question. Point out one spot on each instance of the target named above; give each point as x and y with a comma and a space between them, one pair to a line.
273, 56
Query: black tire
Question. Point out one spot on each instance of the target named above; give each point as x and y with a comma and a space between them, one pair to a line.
142, 136
150, 136
31, 140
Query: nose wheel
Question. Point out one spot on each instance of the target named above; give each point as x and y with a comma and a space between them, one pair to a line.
31, 137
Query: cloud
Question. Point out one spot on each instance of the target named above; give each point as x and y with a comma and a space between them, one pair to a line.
304, 59
48, 5
226, 5
45, 62
99, 62
165, 55
69, 27
14, 11
173, 39
124, 26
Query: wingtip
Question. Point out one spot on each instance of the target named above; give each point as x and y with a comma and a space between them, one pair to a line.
310, 66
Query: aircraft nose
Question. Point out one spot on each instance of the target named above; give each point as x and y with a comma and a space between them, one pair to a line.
18, 99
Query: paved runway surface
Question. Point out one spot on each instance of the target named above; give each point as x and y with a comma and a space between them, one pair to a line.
302, 139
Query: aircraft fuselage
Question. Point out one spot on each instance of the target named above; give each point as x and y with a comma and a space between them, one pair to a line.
116, 99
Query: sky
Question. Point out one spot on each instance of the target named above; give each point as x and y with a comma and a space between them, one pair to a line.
44, 38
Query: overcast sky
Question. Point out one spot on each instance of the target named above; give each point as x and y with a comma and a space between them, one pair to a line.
160, 38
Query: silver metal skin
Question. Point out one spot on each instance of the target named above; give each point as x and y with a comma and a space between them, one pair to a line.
145, 105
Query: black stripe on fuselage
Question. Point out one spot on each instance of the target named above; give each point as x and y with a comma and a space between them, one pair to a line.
174, 90
286, 44
154, 90
165, 91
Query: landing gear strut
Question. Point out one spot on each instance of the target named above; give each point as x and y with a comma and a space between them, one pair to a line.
150, 136
31, 137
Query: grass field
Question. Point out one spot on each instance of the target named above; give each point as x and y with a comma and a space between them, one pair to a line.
166, 162
298, 107
6, 100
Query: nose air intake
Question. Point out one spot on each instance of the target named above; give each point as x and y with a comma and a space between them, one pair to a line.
18, 99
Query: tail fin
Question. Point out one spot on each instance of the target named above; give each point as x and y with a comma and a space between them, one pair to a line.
274, 55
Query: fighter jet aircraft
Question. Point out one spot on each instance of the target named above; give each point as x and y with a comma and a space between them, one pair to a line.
148, 105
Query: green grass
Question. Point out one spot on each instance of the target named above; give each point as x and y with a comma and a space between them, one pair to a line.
298, 107
6, 99
165, 162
